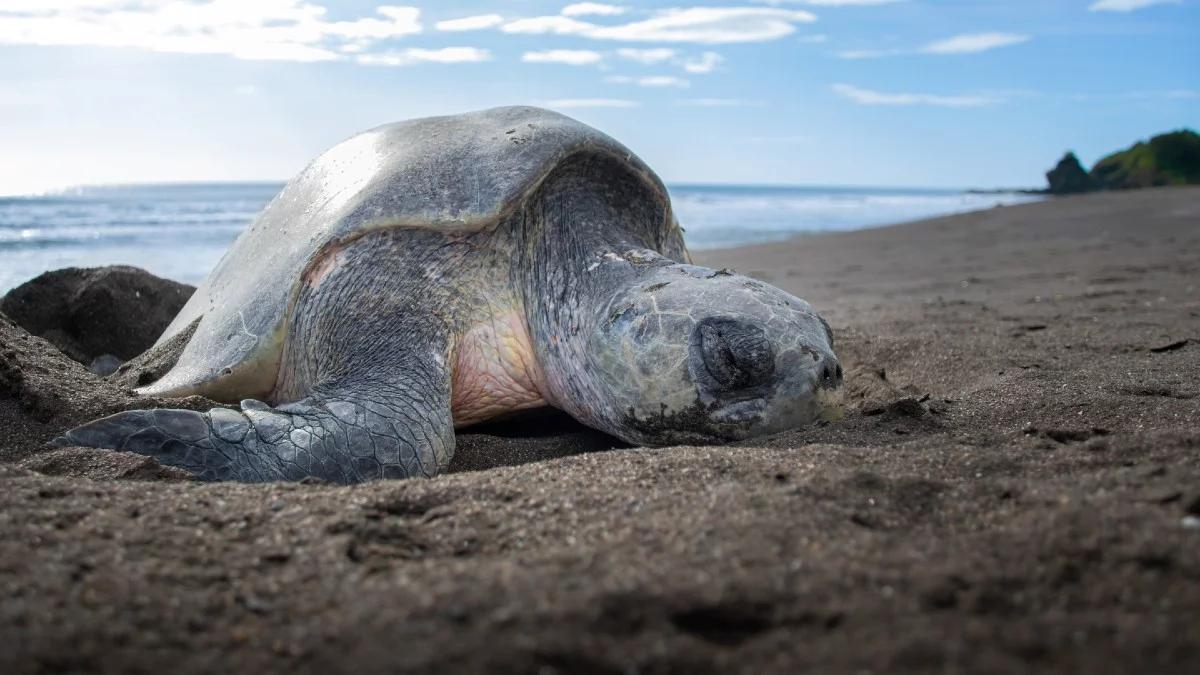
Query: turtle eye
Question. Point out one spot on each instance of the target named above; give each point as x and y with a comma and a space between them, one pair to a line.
731, 354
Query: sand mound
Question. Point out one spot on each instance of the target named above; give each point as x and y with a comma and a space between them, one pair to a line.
89, 313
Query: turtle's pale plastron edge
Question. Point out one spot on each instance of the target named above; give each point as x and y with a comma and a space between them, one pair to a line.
439, 272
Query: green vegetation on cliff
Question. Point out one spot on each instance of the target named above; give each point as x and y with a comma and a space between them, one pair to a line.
1168, 159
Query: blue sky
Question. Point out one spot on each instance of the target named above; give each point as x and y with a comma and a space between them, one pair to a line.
825, 92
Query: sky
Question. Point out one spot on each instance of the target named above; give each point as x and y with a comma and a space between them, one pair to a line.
921, 93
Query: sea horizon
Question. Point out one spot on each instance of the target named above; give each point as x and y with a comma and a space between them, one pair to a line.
179, 230
80, 188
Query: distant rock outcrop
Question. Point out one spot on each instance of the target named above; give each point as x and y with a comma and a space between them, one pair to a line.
1167, 159
1068, 177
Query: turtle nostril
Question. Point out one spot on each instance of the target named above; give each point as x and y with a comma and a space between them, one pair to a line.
831, 374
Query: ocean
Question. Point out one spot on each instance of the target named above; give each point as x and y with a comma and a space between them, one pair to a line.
180, 231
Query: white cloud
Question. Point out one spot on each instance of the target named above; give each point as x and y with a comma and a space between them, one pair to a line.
408, 57
470, 23
52, 6
286, 30
704, 25
869, 97
400, 21
971, 43
647, 56
571, 57
539, 25
706, 63
245, 90
567, 103
1128, 5
650, 81
55, 6
592, 8
709, 25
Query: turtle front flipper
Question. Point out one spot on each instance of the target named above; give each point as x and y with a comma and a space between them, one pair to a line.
366, 365
348, 434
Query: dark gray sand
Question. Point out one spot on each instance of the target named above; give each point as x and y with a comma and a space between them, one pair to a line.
1015, 488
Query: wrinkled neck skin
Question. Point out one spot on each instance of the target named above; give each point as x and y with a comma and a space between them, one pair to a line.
586, 242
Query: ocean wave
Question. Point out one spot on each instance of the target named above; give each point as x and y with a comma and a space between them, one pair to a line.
180, 231
731, 216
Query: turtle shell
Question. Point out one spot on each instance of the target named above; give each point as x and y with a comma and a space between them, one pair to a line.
460, 173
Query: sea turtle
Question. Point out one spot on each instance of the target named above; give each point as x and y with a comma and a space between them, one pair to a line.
438, 272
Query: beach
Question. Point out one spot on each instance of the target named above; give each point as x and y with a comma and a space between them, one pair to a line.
1015, 487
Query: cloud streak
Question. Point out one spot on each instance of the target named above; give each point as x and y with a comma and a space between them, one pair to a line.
1128, 5
965, 43
973, 43
705, 63
592, 9
701, 64
647, 56
869, 97
700, 25
478, 22
570, 57
650, 81
415, 55
860, 54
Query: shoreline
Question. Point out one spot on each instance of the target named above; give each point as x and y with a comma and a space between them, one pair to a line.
77, 189
181, 231
803, 236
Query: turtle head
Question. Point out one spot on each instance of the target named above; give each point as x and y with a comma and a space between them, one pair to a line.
687, 354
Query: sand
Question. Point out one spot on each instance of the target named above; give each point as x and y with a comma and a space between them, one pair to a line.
1015, 488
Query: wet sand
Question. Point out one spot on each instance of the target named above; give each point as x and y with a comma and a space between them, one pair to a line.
1015, 488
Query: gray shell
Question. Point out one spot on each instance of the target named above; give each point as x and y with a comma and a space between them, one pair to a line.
459, 173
